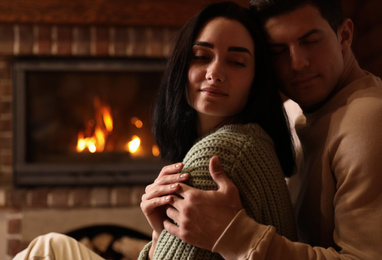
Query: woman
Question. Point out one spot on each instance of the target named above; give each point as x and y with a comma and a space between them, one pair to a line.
218, 97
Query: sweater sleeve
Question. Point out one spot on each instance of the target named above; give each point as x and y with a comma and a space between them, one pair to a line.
249, 160
244, 238
350, 186
144, 254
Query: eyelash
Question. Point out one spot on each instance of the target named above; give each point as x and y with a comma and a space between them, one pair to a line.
310, 41
238, 63
206, 58
280, 51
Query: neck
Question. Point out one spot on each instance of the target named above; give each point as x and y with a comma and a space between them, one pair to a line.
206, 124
352, 71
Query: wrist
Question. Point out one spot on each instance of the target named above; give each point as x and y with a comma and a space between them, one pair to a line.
155, 235
154, 240
217, 241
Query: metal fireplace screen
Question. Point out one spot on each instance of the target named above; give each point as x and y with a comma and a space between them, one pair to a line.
84, 121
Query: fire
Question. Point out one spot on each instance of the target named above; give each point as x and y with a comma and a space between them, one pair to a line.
134, 144
107, 119
137, 122
93, 138
95, 135
155, 150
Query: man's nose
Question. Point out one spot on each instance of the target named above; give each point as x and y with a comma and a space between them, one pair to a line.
298, 59
216, 72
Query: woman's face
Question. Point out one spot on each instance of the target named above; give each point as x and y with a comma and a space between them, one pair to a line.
221, 71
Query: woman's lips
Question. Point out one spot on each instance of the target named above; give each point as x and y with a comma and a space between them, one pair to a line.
213, 92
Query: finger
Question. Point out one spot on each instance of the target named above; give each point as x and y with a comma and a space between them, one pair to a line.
168, 179
173, 213
172, 228
215, 166
160, 191
218, 175
185, 191
171, 169
149, 206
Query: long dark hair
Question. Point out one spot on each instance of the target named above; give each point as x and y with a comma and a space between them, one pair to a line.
174, 121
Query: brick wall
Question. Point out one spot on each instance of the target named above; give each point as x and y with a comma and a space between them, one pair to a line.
16, 204
66, 40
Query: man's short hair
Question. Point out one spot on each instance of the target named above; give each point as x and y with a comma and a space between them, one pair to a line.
331, 10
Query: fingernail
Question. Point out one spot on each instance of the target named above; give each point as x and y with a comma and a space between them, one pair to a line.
183, 175
168, 198
178, 165
173, 186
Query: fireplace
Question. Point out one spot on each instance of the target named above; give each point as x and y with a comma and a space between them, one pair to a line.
84, 121
87, 192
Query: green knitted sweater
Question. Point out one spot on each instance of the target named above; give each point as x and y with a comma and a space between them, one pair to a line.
249, 159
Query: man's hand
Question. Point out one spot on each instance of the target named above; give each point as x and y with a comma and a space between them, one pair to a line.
202, 216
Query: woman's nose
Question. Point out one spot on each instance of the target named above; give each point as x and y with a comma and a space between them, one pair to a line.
215, 72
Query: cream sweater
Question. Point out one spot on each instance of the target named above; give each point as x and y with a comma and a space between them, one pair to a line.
248, 157
339, 206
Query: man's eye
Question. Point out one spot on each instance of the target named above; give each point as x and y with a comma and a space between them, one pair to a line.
310, 41
278, 50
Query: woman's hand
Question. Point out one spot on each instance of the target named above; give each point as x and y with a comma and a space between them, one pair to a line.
202, 216
157, 196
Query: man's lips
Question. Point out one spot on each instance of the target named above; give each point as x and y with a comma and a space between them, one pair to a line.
213, 92
304, 80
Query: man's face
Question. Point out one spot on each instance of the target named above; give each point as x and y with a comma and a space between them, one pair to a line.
307, 56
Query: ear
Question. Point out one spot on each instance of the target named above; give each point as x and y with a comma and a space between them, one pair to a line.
345, 34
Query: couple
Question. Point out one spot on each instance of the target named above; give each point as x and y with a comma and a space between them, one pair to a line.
338, 207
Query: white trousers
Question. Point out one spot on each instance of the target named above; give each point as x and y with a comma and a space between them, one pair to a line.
54, 246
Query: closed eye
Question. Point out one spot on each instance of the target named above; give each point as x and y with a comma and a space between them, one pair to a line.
310, 41
276, 50
238, 63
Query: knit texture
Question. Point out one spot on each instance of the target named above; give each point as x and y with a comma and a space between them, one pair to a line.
248, 158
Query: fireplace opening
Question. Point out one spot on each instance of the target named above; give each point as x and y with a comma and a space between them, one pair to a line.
85, 121
112, 242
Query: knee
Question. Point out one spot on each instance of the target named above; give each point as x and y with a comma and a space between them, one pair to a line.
54, 238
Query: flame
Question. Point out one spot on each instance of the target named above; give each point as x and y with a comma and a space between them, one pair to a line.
93, 138
137, 122
134, 144
155, 150
107, 119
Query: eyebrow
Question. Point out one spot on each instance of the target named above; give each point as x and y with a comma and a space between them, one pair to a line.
232, 48
306, 35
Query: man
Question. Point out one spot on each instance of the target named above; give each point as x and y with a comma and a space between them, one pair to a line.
339, 195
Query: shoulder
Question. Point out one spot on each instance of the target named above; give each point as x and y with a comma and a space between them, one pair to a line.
358, 105
237, 138
230, 141
355, 128
364, 105
242, 132
365, 90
